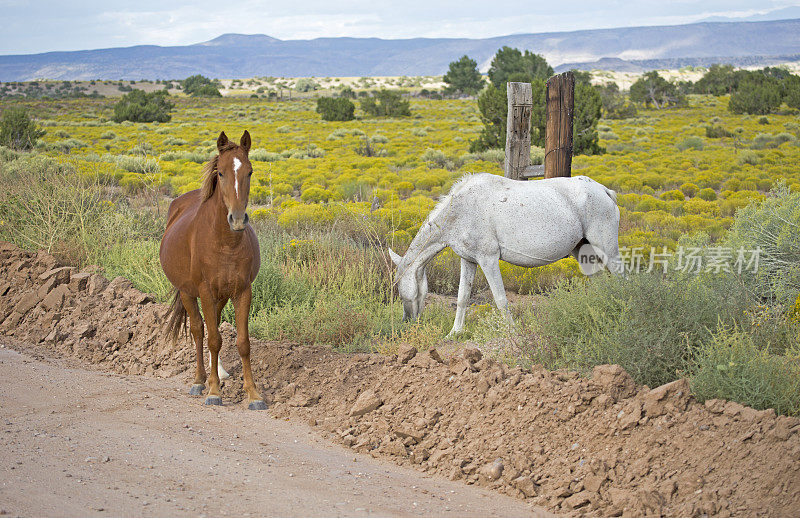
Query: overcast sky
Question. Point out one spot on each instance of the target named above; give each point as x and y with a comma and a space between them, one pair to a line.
46, 25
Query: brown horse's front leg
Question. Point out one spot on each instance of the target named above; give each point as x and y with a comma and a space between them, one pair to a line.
241, 306
196, 327
211, 314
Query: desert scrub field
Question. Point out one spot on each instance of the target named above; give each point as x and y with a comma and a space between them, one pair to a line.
676, 170
328, 197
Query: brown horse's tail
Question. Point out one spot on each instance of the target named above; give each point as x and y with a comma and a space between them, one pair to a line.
177, 318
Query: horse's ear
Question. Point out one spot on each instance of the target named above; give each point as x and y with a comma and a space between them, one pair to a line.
245, 141
395, 258
222, 141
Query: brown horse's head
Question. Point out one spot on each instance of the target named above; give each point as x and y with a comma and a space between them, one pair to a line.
233, 178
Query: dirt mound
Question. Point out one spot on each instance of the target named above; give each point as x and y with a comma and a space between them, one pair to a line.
601, 446
82, 314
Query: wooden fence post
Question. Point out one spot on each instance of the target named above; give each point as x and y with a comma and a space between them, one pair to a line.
518, 129
560, 99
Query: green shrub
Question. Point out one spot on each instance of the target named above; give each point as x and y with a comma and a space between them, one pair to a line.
673, 195
463, 77
768, 140
757, 95
649, 324
262, 155
386, 103
748, 157
67, 145
715, 131
190, 156
730, 365
305, 84
652, 89
773, 226
333, 319
510, 64
139, 106
436, 158
493, 105
693, 142
200, 86
138, 164
690, 189
336, 109
707, 194
17, 130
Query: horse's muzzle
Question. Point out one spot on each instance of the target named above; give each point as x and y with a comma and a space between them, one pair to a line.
237, 225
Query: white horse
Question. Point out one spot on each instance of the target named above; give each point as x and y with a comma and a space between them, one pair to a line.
485, 218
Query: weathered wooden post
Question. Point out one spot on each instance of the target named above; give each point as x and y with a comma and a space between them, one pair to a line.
560, 106
518, 129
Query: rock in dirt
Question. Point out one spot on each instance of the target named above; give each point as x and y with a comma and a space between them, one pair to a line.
409, 433
117, 287
426, 360
614, 380
461, 366
494, 470
526, 486
434, 355
79, 281
124, 336
366, 402
472, 354
85, 330
671, 397
55, 299
578, 500
715, 406
28, 301
137, 297
630, 415
96, 284
593, 482
61, 275
405, 352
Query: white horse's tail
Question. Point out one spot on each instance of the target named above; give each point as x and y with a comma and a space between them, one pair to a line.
611, 193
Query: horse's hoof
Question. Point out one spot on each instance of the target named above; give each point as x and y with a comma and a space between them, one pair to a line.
257, 405
213, 400
197, 389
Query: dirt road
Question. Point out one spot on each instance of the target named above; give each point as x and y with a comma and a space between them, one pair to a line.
77, 442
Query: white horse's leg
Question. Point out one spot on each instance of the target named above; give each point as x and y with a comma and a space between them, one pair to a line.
468, 269
223, 374
491, 270
614, 262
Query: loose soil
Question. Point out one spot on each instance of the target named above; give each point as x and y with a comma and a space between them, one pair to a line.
600, 446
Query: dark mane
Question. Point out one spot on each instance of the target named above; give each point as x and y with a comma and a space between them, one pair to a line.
210, 172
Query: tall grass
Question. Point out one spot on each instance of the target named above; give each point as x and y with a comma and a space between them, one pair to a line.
773, 227
647, 323
732, 365
46, 205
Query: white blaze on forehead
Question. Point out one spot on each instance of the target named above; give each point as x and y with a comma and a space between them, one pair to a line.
236, 165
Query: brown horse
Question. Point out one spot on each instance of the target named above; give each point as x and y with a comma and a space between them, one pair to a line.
209, 251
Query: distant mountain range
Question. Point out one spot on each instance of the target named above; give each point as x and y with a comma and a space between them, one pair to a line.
242, 56
778, 14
